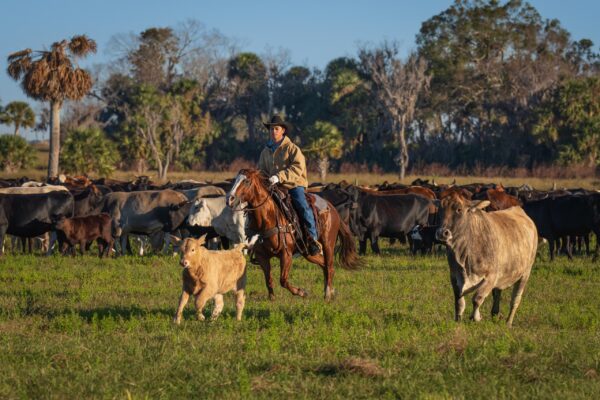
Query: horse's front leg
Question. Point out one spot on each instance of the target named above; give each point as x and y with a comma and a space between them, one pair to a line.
265, 264
285, 261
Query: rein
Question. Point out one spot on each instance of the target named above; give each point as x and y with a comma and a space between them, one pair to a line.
258, 206
279, 228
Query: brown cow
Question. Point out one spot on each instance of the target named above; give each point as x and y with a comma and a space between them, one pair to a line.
462, 192
487, 252
210, 274
83, 230
499, 199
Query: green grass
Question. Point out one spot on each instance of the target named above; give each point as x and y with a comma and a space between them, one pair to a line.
86, 328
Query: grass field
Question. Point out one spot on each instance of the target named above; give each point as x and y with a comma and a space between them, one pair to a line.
86, 328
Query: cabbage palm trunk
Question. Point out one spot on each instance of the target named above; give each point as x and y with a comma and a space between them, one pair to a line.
54, 152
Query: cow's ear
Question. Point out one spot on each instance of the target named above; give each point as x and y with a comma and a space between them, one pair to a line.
176, 240
479, 205
202, 239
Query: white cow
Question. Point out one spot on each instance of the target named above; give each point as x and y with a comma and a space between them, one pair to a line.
213, 212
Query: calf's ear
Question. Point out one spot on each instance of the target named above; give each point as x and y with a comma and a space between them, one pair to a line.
479, 205
202, 239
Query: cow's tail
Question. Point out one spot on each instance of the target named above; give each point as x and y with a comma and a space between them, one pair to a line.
247, 245
348, 255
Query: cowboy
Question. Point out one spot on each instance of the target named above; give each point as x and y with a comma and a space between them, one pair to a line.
283, 161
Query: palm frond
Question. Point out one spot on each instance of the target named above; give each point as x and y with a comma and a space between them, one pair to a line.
19, 63
77, 84
18, 54
81, 45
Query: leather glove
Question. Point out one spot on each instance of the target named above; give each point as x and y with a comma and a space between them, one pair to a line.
274, 180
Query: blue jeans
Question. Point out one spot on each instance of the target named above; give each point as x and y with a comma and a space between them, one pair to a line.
304, 210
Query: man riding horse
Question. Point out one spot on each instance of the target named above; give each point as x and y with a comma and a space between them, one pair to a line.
284, 162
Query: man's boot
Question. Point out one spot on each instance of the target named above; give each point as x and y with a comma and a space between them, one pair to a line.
314, 247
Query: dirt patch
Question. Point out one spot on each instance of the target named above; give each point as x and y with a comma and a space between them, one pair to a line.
353, 365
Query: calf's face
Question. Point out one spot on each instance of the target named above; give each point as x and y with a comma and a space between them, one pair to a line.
455, 212
190, 252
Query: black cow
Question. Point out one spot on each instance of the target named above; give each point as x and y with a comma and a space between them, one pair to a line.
423, 239
88, 201
566, 216
344, 199
31, 215
391, 216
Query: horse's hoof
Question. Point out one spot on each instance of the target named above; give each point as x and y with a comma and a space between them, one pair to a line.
272, 297
302, 293
329, 296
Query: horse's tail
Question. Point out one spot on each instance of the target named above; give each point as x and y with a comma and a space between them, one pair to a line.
348, 255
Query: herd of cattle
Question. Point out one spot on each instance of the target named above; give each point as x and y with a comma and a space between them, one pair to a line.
77, 210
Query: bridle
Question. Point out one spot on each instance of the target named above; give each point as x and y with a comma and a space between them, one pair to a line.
270, 193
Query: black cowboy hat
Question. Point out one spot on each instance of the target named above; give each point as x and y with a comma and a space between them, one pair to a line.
276, 120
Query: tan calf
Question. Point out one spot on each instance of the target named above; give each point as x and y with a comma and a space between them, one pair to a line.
209, 274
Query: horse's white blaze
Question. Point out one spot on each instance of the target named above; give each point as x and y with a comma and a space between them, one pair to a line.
239, 179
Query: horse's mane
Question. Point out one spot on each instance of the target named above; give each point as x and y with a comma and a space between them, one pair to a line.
257, 175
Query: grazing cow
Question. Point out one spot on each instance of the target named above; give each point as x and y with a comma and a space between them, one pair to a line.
145, 213
213, 212
487, 252
83, 230
31, 215
210, 274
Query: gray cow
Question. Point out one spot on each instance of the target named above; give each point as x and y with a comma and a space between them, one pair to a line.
145, 213
202, 191
487, 252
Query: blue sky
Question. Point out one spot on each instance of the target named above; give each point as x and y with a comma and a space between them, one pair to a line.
314, 32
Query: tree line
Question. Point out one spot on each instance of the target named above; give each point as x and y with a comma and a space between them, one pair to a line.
488, 84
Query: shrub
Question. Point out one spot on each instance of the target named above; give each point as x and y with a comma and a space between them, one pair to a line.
15, 153
88, 151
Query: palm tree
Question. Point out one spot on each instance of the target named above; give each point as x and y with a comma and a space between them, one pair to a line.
53, 76
19, 114
325, 142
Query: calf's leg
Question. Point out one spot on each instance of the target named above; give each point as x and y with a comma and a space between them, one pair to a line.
183, 299
201, 299
459, 299
496, 294
218, 307
482, 292
240, 301
516, 298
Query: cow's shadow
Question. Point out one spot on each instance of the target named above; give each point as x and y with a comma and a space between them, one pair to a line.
125, 313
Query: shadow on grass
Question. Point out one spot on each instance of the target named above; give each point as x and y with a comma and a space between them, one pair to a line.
101, 313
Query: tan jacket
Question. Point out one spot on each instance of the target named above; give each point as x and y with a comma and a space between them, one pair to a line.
287, 162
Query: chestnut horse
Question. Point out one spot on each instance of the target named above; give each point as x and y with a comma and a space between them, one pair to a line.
277, 238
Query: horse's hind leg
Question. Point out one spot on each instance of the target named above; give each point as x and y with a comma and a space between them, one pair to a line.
328, 271
285, 261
